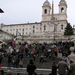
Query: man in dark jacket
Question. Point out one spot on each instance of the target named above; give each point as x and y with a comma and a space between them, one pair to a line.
26, 50
1, 72
31, 67
0, 59
54, 68
9, 60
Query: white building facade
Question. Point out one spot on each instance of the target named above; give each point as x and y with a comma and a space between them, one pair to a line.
43, 27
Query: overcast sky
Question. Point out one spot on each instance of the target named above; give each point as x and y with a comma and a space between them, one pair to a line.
24, 11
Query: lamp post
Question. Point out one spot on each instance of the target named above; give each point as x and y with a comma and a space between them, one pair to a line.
1, 11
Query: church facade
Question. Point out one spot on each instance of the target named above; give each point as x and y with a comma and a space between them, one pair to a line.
45, 27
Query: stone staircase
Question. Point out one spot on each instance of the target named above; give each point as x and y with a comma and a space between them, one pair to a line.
44, 65
40, 66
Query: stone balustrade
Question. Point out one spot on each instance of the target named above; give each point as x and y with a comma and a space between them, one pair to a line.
23, 71
72, 55
41, 39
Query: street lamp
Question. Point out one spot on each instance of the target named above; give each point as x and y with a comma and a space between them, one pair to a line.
1, 11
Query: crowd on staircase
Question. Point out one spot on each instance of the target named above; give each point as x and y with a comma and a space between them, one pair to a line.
17, 52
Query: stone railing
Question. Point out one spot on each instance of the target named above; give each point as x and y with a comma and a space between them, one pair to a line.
41, 39
44, 37
22, 71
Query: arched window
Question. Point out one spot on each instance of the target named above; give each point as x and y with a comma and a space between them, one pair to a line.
62, 10
62, 26
45, 11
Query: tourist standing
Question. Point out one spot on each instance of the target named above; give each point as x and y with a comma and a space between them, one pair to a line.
21, 63
1, 72
61, 66
72, 69
68, 62
31, 68
54, 68
0, 57
9, 61
26, 49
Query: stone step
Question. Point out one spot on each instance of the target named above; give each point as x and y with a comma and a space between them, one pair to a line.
22, 71
37, 63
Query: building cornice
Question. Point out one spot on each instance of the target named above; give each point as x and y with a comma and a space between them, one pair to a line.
23, 24
55, 14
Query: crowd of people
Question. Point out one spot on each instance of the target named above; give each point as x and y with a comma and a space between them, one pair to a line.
17, 52
62, 66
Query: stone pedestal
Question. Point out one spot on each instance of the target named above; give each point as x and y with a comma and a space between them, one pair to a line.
72, 56
60, 55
